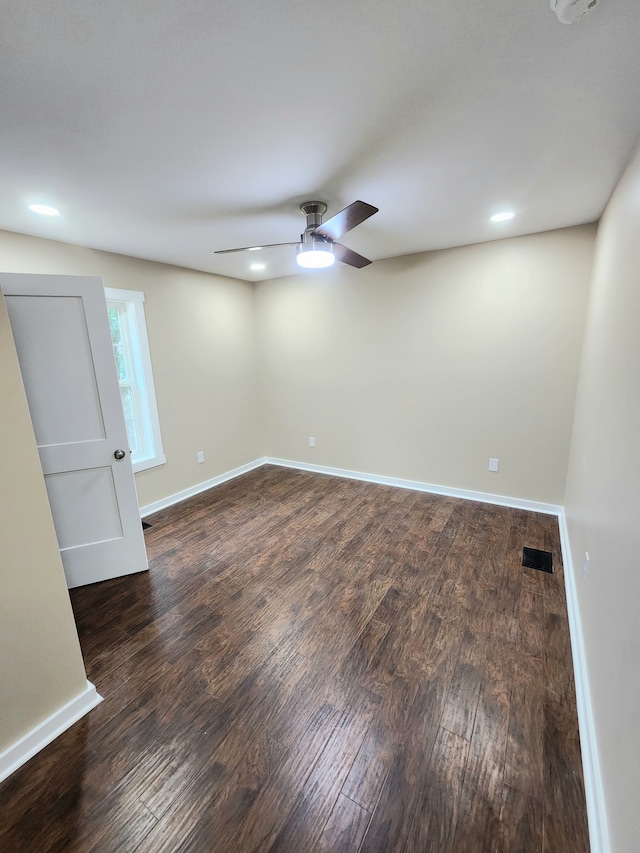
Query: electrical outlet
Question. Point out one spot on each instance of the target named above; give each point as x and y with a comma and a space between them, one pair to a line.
585, 565
494, 464
312, 441
200, 457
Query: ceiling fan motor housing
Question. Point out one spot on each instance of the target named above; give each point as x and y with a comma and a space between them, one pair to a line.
314, 211
308, 238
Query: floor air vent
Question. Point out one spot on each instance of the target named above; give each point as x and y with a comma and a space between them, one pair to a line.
532, 558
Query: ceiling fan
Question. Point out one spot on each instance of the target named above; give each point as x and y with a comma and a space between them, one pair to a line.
317, 246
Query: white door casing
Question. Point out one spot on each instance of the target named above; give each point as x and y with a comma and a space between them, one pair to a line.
61, 331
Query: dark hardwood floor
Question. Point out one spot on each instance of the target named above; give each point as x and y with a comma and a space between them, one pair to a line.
316, 664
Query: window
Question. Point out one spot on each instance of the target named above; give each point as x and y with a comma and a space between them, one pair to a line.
133, 365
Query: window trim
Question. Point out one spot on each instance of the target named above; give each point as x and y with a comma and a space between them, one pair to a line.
136, 298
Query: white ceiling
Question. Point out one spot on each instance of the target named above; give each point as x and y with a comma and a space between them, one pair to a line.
166, 130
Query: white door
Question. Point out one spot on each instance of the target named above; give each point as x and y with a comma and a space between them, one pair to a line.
62, 336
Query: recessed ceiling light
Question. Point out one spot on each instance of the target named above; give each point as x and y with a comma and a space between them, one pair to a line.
44, 209
503, 217
257, 267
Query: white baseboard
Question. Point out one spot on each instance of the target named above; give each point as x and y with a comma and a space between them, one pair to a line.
199, 487
464, 494
594, 792
42, 735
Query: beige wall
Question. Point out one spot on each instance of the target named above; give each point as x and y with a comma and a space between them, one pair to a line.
202, 340
423, 367
603, 505
398, 369
41, 666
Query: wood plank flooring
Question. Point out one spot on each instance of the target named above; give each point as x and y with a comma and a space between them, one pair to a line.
316, 664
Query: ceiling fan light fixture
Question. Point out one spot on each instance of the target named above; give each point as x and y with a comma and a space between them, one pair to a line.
312, 256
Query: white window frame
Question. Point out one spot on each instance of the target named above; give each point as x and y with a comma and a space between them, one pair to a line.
135, 299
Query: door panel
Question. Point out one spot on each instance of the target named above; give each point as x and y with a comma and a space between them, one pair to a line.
96, 519
58, 356
64, 347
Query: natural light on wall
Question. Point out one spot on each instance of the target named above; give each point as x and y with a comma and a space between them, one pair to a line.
133, 365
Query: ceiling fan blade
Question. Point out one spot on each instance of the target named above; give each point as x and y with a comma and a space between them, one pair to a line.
348, 256
344, 221
254, 248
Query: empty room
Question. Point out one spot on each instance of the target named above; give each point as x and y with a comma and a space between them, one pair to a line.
320, 387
